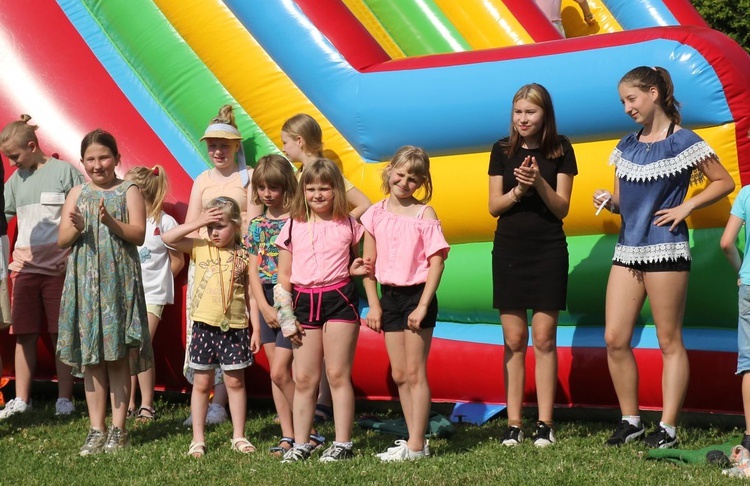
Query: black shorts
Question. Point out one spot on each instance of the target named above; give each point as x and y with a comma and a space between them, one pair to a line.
212, 348
398, 302
269, 334
679, 265
314, 307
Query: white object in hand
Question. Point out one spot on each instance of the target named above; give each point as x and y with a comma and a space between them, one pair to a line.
608, 197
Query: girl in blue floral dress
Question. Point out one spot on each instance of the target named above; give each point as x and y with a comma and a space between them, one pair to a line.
103, 319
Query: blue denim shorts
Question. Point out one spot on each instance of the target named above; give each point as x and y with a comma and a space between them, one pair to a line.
743, 329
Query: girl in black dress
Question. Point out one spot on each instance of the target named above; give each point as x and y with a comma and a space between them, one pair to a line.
531, 179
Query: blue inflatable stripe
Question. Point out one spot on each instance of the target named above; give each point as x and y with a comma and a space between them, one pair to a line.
465, 108
640, 14
129, 82
721, 340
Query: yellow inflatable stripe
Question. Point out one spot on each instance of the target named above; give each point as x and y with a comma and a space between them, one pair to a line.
461, 189
263, 90
365, 16
575, 26
484, 24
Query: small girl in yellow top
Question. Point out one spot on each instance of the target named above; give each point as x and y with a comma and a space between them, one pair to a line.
220, 303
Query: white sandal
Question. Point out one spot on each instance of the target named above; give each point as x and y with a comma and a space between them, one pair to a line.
242, 445
197, 449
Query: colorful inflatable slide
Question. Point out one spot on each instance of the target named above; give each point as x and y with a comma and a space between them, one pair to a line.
379, 74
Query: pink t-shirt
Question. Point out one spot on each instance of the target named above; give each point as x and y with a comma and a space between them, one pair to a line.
403, 244
320, 250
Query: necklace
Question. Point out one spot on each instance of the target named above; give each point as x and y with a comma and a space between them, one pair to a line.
226, 296
658, 137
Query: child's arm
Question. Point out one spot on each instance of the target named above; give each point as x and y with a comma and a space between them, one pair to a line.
434, 274
729, 240
375, 313
252, 310
177, 236
283, 277
71, 220
176, 261
499, 202
134, 231
256, 286
358, 202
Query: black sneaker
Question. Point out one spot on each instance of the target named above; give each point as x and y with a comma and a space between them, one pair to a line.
336, 453
660, 439
513, 436
543, 435
745, 441
624, 433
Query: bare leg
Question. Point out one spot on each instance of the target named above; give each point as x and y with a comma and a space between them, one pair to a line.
308, 359
324, 390
625, 296
96, 384
544, 337
339, 343
282, 387
234, 380
203, 380
516, 338
417, 347
25, 362
118, 373
64, 376
667, 292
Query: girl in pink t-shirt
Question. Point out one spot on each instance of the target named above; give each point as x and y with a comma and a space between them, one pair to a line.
405, 246
316, 247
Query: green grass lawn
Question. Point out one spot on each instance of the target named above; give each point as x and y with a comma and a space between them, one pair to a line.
38, 448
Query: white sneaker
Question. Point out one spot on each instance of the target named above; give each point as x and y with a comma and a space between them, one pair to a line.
13, 407
64, 406
400, 452
400, 446
216, 414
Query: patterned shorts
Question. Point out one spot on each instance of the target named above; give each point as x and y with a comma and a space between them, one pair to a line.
212, 348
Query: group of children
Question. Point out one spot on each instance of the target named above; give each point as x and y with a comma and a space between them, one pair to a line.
273, 253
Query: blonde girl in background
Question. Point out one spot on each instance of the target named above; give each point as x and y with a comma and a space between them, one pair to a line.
103, 309
302, 141
405, 246
159, 266
219, 306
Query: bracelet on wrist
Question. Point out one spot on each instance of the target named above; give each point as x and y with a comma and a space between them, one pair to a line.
513, 197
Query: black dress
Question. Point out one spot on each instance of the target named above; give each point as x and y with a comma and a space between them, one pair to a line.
529, 252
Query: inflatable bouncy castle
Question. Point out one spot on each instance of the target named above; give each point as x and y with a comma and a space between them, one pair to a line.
379, 74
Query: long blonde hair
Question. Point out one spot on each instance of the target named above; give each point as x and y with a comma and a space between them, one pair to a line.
153, 185
304, 126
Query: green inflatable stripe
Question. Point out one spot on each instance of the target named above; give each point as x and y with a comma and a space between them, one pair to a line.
465, 292
418, 28
176, 77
